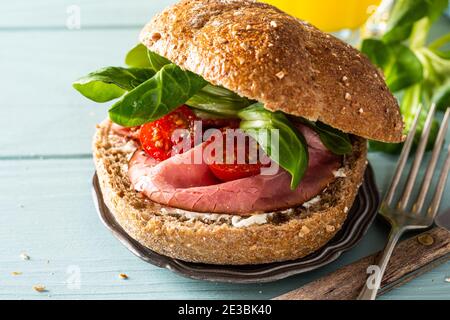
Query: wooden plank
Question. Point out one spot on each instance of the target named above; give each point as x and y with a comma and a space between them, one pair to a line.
23, 14
47, 212
45, 115
410, 259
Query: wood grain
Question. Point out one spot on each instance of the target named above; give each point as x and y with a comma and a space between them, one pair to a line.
409, 260
38, 94
46, 210
52, 14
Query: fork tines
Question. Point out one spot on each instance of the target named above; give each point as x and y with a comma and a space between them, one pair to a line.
430, 171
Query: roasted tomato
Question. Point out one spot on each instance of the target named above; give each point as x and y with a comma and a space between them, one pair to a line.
229, 167
157, 138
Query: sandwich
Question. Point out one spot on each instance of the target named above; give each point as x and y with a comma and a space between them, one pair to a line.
237, 134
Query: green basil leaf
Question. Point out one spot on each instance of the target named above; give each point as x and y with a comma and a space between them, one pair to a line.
405, 70
333, 139
291, 151
390, 148
436, 8
110, 83
442, 54
407, 12
403, 16
158, 96
377, 51
218, 100
400, 65
437, 65
137, 57
156, 61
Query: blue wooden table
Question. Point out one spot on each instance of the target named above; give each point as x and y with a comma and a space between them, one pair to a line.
46, 167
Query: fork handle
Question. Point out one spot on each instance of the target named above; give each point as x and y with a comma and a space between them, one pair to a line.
369, 292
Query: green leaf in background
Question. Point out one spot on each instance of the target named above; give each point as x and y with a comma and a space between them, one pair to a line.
137, 57
437, 65
219, 101
158, 96
334, 140
292, 152
403, 16
156, 61
110, 83
400, 65
406, 13
442, 54
436, 8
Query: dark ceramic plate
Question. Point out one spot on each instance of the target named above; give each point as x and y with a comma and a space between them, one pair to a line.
360, 217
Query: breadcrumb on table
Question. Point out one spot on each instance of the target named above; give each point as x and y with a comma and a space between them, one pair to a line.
39, 288
123, 276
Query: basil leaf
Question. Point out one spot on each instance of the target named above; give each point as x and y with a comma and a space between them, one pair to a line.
291, 151
403, 16
442, 54
436, 63
158, 96
400, 65
137, 57
333, 139
110, 83
156, 61
407, 12
436, 8
218, 100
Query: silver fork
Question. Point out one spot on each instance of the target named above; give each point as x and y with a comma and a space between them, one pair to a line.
400, 217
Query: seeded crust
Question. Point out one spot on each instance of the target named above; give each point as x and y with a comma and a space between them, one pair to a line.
264, 54
284, 237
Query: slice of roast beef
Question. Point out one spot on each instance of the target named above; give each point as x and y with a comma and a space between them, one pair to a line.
179, 182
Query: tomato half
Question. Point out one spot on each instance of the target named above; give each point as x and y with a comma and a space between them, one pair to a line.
157, 137
230, 169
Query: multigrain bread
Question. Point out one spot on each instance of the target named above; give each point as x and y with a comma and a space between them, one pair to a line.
189, 237
264, 54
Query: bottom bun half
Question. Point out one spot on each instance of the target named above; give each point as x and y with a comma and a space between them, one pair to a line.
217, 239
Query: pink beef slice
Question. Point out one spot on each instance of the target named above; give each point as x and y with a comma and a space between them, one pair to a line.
180, 183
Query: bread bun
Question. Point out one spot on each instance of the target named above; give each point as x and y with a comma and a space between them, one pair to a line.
218, 239
264, 54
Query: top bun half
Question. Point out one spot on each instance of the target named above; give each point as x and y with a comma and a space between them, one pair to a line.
264, 54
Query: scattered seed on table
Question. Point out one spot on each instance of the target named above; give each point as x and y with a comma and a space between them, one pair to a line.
39, 288
123, 276
425, 239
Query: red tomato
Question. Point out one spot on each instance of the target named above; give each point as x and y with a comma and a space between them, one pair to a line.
230, 170
156, 137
